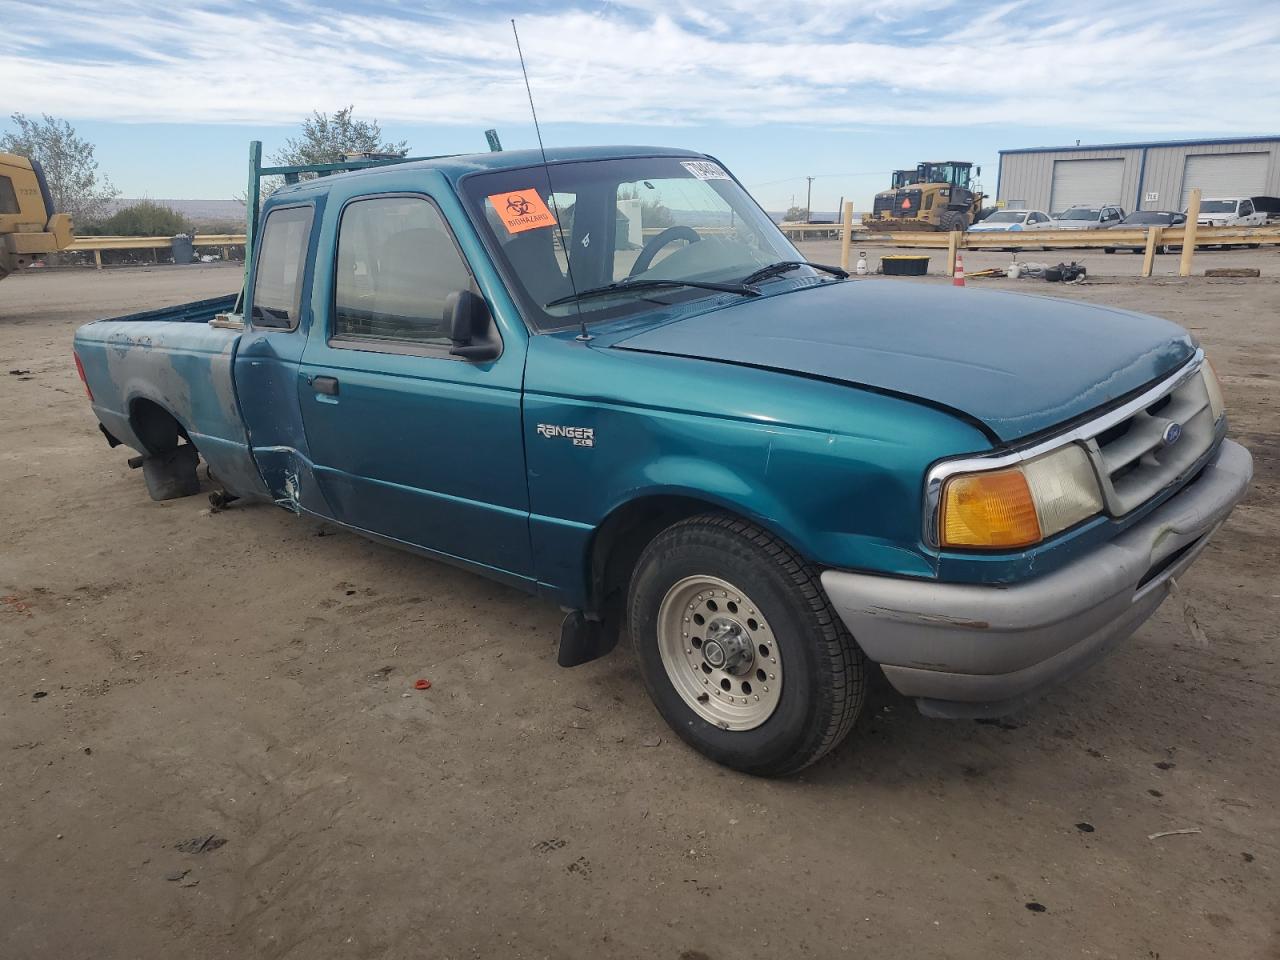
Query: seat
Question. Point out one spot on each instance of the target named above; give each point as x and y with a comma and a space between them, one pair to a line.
533, 257
417, 270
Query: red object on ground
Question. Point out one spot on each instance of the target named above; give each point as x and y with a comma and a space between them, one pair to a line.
958, 279
422, 684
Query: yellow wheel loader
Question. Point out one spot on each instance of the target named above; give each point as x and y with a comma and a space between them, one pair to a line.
29, 228
934, 196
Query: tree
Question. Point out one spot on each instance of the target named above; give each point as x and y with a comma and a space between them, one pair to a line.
328, 139
146, 218
69, 165
795, 214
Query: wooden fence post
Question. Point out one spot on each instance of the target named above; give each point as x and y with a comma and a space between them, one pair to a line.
1149, 258
1189, 234
846, 234
953, 244
97, 259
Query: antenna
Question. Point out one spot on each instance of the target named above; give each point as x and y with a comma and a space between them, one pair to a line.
583, 336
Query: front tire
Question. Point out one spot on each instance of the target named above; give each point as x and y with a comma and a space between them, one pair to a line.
953, 221
740, 650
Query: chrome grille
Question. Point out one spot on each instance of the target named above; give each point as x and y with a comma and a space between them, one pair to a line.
1153, 448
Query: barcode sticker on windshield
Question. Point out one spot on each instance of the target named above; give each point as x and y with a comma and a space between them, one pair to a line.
704, 169
522, 210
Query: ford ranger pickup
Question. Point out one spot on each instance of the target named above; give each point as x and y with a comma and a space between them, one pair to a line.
609, 380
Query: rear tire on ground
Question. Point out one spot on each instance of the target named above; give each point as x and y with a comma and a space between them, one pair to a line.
1108, 249
794, 681
172, 475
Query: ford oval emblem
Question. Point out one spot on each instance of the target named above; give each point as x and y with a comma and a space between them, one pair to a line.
1172, 434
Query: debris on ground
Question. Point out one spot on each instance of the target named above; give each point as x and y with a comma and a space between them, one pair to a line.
19, 373
1215, 272
1085, 827
1062, 273
175, 875
39, 694
202, 844
653, 741
1173, 833
990, 273
1036, 907
422, 684
17, 605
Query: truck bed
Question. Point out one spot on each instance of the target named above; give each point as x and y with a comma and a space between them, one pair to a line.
172, 358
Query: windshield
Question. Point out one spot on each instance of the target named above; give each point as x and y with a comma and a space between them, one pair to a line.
1150, 217
648, 218
1218, 206
1006, 216
1080, 213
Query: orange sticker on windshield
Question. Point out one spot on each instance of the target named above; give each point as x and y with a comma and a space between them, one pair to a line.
522, 210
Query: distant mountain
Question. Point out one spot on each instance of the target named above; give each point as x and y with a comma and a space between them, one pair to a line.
194, 210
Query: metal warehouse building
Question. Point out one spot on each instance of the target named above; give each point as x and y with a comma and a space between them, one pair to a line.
1138, 176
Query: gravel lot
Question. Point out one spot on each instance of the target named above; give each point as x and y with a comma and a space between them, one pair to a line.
167, 675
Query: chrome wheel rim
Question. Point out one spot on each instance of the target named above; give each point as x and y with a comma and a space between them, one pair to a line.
719, 653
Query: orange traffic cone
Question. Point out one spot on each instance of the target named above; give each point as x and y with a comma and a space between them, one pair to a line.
958, 279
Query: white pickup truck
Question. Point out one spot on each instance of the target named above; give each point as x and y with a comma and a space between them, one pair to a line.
1230, 212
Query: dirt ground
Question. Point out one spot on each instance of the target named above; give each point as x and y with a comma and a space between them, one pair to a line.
245, 680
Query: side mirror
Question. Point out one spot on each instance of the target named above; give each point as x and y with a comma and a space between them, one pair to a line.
977, 171
469, 323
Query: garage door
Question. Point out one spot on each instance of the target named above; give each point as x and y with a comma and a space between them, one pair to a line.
1225, 175
1085, 183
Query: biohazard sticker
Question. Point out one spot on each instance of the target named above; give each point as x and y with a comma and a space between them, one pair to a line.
704, 169
522, 210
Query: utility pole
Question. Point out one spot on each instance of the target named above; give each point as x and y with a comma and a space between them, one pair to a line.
808, 201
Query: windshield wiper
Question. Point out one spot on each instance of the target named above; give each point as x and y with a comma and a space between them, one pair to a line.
624, 285
786, 266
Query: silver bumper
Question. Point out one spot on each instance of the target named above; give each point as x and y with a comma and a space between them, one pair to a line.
971, 651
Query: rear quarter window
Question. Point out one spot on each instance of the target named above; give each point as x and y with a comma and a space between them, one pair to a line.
282, 258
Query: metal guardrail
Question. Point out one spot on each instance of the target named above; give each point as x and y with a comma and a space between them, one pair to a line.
96, 245
1188, 237
1084, 239
155, 243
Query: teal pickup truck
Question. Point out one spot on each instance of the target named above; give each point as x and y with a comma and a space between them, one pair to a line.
610, 380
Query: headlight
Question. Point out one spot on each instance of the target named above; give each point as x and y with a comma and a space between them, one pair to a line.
1211, 387
1018, 506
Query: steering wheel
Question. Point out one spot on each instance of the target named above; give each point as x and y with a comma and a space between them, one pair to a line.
656, 243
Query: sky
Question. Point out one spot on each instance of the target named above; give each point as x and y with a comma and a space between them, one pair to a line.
171, 93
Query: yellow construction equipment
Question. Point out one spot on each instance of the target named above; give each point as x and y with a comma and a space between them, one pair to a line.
29, 227
934, 196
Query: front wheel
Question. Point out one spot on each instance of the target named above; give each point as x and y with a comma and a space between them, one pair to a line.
739, 649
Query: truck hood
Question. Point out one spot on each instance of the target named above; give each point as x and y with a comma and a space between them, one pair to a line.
1018, 364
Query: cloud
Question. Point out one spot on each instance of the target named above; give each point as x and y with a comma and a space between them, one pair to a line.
1130, 67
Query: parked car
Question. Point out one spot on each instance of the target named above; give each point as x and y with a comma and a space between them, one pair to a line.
1011, 220
1230, 212
1145, 220
1086, 218
770, 475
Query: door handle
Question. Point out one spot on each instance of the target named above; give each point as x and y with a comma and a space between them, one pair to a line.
326, 385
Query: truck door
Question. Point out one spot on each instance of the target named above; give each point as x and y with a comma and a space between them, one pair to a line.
277, 316
409, 442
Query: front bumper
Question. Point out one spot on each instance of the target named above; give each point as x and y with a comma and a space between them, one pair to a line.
965, 650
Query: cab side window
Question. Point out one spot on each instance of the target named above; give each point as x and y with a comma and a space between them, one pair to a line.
8, 198
282, 258
397, 264
1246, 208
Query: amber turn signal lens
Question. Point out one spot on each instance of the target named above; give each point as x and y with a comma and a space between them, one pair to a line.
989, 510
